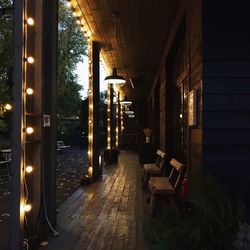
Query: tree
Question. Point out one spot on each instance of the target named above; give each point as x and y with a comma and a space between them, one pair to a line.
6, 50
6, 62
72, 46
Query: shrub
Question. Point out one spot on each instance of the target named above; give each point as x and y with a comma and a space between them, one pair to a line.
208, 224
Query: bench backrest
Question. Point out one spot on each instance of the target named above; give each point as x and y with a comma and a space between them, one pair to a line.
177, 172
60, 144
160, 159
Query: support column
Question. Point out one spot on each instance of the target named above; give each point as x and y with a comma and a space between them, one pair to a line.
96, 93
118, 129
17, 221
94, 89
50, 104
28, 91
108, 118
112, 120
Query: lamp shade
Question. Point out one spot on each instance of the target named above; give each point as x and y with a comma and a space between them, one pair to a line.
126, 102
131, 116
129, 112
114, 78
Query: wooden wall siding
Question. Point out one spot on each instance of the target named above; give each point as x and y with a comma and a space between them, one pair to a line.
226, 90
195, 73
162, 111
192, 8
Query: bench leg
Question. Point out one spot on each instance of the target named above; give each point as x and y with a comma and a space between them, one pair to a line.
153, 204
145, 180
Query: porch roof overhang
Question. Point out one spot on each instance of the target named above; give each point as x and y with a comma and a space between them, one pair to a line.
131, 35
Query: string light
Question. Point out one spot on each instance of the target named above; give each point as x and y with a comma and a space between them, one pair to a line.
69, 4
29, 130
8, 107
29, 169
29, 91
27, 207
30, 21
30, 60
74, 13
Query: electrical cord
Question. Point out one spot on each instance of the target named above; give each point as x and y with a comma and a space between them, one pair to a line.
45, 210
25, 242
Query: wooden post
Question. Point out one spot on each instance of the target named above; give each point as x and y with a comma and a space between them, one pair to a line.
93, 142
117, 116
112, 121
34, 93
96, 93
108, 118
50, 104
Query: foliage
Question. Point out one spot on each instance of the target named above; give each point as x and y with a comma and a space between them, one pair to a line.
103, 97
72, 47
6, 59
209, 224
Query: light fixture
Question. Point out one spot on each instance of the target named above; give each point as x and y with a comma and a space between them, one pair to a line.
29, 169
8, 107
126, 102
69, 4
30, 21
29, 130
74, 12
129, 112
114, 78
30, 59
29, 91
131, 116
27, 208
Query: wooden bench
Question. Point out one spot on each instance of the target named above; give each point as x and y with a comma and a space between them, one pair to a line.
166, 186
154, 169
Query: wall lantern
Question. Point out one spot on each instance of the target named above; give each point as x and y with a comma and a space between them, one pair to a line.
131, 116
114, 78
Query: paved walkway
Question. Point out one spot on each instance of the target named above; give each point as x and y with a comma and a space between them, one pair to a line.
107, 214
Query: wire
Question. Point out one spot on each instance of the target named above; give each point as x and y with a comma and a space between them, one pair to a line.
25, 242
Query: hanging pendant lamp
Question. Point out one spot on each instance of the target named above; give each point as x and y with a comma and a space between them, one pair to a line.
126, 102
114, 78
129, 112
131, 116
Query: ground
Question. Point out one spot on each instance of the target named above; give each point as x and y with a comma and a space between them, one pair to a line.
71, 165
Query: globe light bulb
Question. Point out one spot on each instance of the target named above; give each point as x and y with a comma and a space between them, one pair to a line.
30, 21
29, 169
29, 130
29, 91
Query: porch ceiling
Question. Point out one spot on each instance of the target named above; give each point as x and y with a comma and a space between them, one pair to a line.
131, 34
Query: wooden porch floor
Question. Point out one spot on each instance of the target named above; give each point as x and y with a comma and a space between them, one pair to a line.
108, 214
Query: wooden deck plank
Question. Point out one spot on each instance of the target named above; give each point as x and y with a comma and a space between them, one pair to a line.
106, 214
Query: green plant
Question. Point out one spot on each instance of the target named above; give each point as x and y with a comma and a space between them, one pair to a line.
208, 224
